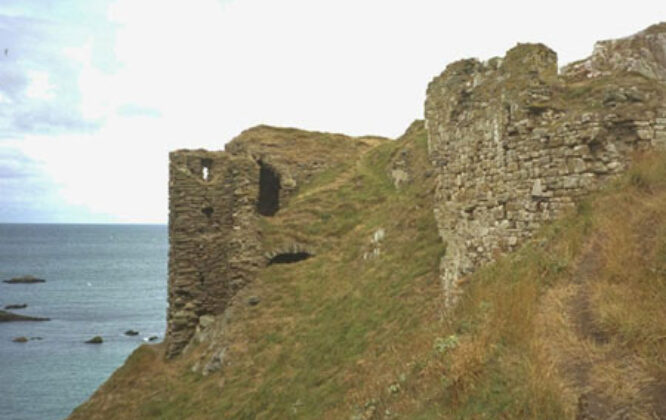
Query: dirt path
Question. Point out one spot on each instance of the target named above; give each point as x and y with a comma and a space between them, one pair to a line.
600, 378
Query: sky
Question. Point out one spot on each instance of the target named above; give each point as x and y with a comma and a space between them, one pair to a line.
95, 93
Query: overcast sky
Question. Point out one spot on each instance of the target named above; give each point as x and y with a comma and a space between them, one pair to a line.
94, 93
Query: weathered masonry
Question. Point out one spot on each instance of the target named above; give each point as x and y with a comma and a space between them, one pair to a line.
214, 240
215, 202
515, 144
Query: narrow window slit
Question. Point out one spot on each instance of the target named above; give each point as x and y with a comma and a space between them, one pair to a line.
268, 202
205, 168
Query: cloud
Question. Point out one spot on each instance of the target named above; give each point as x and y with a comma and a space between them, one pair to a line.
95, 93
30, 194
15, 164
132, 110
39, 83
47, 119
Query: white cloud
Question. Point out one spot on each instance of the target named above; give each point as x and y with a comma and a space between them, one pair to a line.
39, 86
194, 74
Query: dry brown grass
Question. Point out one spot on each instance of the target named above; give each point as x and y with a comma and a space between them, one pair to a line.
570, 325
602, 327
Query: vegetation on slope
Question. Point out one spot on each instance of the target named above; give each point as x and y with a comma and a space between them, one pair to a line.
329, 333
570, 324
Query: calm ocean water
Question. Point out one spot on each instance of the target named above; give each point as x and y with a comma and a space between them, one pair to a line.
101, 280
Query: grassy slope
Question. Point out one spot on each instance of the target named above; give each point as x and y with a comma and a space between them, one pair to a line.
331, 332
577, 312
338, 336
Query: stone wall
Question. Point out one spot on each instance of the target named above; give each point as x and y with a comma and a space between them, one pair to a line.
515, 145
213, 236
297, 155
215, 203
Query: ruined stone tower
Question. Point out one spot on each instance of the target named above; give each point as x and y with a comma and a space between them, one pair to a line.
214, 244
515, 144
215, 202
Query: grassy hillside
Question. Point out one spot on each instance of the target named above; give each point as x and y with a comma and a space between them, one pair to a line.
572, 324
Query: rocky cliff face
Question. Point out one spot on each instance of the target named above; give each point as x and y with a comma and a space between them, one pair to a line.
514, 144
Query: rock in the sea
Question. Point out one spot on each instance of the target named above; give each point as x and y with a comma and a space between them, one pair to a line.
24, 279
95, 340
153, 338
131, 332
23, 339
17, 306
9, 316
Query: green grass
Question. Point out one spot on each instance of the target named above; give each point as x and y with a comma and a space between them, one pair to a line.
337, 335
330, 331
347, 308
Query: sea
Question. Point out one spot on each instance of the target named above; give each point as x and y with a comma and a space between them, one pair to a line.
101, 280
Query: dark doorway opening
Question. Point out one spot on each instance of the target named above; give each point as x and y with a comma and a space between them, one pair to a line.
289, 257
269, 190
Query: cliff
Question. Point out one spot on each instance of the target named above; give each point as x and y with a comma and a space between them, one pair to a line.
308, 277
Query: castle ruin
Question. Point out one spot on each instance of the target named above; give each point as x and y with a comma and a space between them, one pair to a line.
513, 142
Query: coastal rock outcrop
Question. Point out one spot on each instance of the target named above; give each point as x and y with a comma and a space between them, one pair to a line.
24, 280
10, 316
